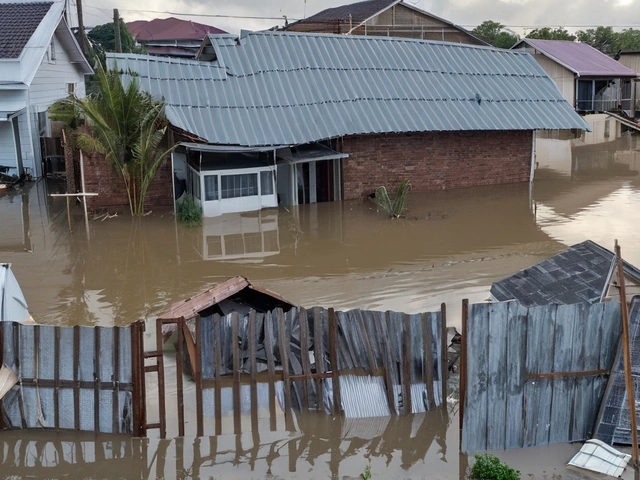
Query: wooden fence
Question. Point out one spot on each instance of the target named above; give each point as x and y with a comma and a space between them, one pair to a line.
534, 376
75, 378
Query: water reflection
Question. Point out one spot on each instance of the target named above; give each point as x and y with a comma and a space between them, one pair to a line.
319, 447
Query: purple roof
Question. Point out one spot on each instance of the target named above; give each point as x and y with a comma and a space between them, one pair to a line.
581, 58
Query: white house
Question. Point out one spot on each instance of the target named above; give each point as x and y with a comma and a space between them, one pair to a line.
40, 62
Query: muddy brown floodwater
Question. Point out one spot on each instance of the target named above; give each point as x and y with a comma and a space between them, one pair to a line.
450, 245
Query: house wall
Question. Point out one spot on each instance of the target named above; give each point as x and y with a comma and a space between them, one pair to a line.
400, 21
101, 178
435, 160
632, 61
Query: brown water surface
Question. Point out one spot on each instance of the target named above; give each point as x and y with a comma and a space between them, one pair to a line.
449, 246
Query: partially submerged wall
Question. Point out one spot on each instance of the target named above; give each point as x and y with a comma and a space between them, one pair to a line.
435, 160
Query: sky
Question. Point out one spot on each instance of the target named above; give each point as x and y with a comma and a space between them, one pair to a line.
519, 15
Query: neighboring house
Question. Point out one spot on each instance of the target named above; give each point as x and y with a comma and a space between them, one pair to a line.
40, 62
170, 37
387, 18
293, 118
590, 80
631, 59
583, 273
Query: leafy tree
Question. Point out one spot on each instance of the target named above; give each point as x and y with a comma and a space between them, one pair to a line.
495, 34
628, 39
127, 127
547, 33
602, 38
103, 39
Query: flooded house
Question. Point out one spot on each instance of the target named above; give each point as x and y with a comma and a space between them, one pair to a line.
631, 59
591, 81
40, 63
283, 118
385, 18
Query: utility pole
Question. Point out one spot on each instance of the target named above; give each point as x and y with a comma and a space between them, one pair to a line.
81, 36
116, 30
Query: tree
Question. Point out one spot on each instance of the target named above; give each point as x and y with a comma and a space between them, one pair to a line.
602, 38
547, 33
628, 39
127, 127
495, 34
103, 39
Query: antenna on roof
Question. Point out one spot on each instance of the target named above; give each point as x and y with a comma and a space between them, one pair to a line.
304, 13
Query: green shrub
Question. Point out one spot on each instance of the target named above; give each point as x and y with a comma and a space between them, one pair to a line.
189, 212
489, 467
366, 475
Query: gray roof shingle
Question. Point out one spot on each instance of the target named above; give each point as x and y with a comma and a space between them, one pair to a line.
18, 21
578, 274
359, 12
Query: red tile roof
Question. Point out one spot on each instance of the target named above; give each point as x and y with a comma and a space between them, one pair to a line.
169, 29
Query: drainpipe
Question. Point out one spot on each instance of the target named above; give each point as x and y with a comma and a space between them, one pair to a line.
533, 156
29, 128
173, 184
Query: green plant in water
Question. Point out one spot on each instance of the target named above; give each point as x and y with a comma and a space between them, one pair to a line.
189, 212
393, 205
489, 467
366, 475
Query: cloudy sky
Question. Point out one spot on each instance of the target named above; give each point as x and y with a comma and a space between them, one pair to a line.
233, 15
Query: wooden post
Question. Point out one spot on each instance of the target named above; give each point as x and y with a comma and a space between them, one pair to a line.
179, 380
627, 359
198, 378
463, 360
268, 347
333, 355
136, 377
318, 350
235, 318
284, 360
161, 389
115, 420
304, 356
406, 365
253, 371
427, 352
444, 359
218, 365
116, 30
76, 380
81, 35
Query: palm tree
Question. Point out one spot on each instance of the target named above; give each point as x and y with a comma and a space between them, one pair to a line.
127, 127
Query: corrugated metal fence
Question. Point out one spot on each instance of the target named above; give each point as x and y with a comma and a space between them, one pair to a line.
77, 378
366, 364
534, 376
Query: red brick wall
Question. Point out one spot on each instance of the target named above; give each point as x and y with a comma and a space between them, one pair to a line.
435, 160
101, 178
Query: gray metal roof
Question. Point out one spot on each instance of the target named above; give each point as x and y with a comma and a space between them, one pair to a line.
579, 274
277, 88
18, 21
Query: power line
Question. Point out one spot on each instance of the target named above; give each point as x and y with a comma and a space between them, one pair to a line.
242, 17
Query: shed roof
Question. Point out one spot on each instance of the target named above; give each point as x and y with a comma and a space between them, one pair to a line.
169, 29
579, 274
289, 88
18, 21
580, 58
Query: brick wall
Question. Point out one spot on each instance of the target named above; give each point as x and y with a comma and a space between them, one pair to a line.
435, 160
100, 177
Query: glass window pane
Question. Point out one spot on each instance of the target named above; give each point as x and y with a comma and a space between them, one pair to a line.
244, 185
266, 183
211, 187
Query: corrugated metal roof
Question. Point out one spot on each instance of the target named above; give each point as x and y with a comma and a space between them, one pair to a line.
275, 88
580, 58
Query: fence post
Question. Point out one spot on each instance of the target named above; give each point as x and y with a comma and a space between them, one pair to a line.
463, 361
333, 352
444, 359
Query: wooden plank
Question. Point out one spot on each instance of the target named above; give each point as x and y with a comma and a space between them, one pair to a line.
268, 347
181, 324
253, 371
496, 376
333, 355
190, 344
515, 375
198, 378
562, 388
463, 365
96, 387
406, 365
318, 350
162, 413
444, 358
582, 392
474, 432
76, 370
217, 392
427, 361
284, 360
136, 375
389, 363
539, 359
235, 348
304, 356
115, 412
56, 378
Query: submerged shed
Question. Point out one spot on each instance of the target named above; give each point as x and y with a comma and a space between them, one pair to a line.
583, 273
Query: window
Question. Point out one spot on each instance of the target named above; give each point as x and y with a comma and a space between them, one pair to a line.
211, 187
71, 88
193, 182
244, 185
51, 52
266, 183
